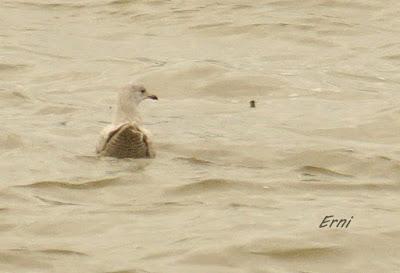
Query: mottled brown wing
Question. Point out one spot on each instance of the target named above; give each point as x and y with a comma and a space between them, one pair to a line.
127, 141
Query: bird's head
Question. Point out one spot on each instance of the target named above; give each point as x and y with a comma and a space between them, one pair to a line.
135, 94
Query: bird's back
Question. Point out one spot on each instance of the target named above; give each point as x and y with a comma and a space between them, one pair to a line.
126, 141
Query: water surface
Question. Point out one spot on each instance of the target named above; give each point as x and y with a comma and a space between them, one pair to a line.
233, 188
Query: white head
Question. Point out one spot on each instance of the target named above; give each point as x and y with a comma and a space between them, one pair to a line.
128, 100
135, 94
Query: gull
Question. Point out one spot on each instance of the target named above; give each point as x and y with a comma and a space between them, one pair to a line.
125, 137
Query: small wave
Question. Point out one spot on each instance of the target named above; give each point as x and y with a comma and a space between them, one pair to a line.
6, 93
330, 186
7, 227
11, 99
194, 160
177, 204
210, 25
60, 6
182, 11
313, 170
129, 271
392, 233
346, 5
296, 252
393, 57
240, 6
151, 61
55, 202
120, 2
12, 257
55, 110
210, 79
40, 53
63, 252
237, 205
164, 254
12, 67
11, 141
355, 76
220, 259
214, 185
116, 60
282, 248
96, 184
312, 41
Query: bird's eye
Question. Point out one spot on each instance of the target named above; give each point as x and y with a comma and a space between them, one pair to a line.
142, 91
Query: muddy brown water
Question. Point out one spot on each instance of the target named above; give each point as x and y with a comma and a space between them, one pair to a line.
233, 189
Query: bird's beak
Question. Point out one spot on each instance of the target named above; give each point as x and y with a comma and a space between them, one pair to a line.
153, 97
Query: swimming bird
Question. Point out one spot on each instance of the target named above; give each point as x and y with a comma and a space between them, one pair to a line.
125, 137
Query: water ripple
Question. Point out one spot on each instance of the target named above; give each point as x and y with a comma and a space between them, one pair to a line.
96, 184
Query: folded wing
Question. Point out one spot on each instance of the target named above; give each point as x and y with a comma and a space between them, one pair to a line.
125, 141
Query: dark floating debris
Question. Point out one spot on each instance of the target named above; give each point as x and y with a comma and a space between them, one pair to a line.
253, 104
